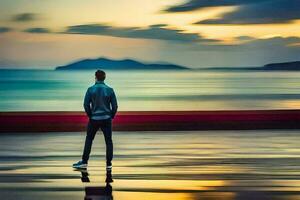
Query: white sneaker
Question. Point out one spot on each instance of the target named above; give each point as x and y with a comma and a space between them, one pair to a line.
80, 165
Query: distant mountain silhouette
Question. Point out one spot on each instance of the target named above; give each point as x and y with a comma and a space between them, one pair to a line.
126, 64
283, 66
286, 66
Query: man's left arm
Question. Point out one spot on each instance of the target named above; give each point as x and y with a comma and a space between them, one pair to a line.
114, 104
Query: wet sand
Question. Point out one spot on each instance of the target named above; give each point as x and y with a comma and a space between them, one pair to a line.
181, 165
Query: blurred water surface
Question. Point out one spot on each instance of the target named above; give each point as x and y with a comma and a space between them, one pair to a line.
49, 90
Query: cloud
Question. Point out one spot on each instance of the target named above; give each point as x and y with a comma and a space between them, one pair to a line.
247, 12
4, 29
192, 5
21, 52
255, 44
37, 30
244, 38
24, 17
158, 31
256, 52
272, 44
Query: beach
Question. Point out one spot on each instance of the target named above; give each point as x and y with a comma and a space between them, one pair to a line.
180, 165
195, 135
193, 100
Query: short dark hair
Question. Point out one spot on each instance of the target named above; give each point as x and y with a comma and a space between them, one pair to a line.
100, 75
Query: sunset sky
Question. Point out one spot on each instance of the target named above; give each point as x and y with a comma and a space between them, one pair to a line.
193, 33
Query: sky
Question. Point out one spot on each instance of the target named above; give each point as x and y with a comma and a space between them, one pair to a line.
193, 33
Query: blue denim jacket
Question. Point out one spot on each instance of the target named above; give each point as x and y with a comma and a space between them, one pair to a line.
100, 102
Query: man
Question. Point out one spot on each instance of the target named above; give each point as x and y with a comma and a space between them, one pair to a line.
100, 105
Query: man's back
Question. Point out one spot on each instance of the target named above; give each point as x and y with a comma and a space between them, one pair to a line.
100, 101
100, 104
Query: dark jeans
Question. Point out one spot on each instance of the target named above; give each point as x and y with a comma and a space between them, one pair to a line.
92, 128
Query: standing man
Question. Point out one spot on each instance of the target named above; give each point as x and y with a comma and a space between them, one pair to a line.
100, 105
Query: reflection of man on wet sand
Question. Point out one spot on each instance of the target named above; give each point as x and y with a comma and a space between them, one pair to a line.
97, 193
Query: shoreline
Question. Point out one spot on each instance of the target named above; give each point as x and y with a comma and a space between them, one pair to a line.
75, 121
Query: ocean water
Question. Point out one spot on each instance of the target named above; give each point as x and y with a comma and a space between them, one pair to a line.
49, 90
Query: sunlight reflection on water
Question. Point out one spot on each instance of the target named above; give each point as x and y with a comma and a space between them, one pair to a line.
196, 165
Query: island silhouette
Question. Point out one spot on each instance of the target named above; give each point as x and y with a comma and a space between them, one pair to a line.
125, 64
130, 64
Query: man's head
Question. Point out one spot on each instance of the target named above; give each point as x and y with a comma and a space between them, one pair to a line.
100, 75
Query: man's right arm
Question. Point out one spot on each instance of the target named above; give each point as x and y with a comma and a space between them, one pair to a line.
114, 104
87, 104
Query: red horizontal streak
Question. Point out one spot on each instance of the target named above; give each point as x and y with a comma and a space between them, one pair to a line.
152, 120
